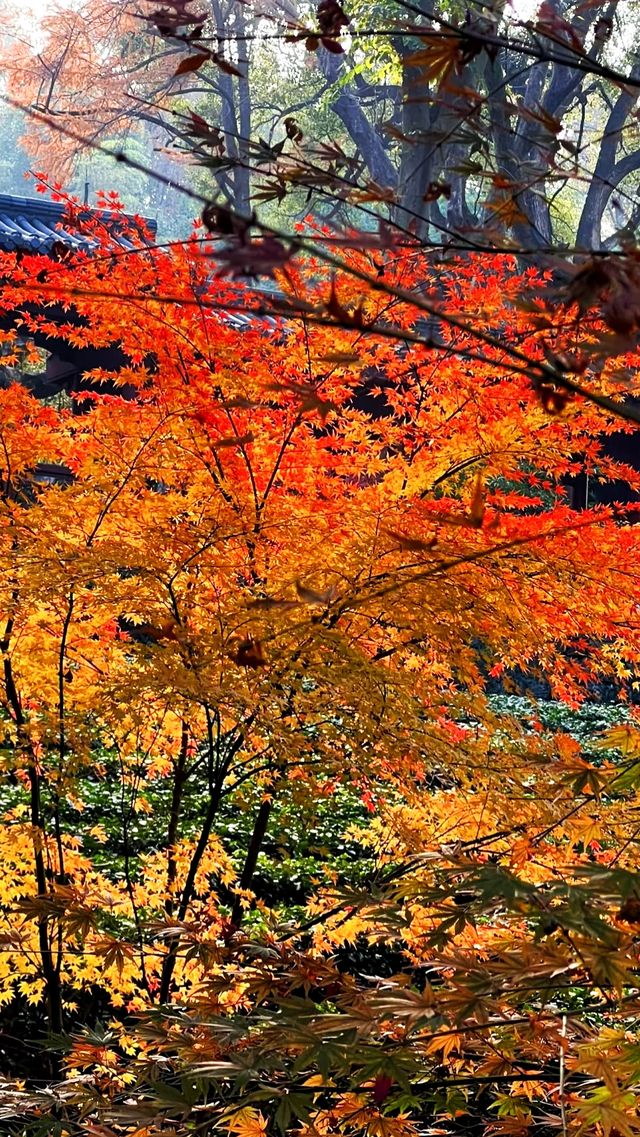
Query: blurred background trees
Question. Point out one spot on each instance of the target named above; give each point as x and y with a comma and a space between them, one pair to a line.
459, 126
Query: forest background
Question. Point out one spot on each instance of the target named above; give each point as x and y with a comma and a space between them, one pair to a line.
319, 647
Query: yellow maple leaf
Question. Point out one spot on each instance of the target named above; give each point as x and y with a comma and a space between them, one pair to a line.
624, 738
247, 1122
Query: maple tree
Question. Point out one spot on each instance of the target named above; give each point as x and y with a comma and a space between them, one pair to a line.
293, 545
288, 563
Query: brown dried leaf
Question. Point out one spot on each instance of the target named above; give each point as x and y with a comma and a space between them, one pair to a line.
437, 59
553, 399
233, 443
224, 65
331, 18
412, 544
630, 910
308, 596
332, 45
192, 63
241, 403
249, 653
343, 358
310, 400
271, 603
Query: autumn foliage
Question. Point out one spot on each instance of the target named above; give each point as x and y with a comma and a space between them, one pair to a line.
293, 550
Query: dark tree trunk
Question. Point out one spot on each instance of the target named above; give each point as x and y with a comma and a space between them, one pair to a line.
605, 178
243, 177
49, 964
346, 105
417, 156
235, 112
253, 852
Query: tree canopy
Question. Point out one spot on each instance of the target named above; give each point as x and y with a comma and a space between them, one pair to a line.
319, 615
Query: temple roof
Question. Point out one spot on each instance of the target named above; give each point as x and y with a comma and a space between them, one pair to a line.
35, 225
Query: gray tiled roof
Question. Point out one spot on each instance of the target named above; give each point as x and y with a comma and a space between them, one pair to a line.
35, 225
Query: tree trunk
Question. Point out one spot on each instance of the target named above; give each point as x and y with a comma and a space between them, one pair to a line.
251, 859
50, 966
363, 134
417, 157
243, 176
179, 776
602, 182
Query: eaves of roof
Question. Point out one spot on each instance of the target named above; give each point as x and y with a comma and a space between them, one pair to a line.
36, 226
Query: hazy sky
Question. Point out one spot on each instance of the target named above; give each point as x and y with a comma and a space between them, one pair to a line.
28, 10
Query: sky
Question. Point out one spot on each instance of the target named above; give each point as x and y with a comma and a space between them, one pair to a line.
28, 11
